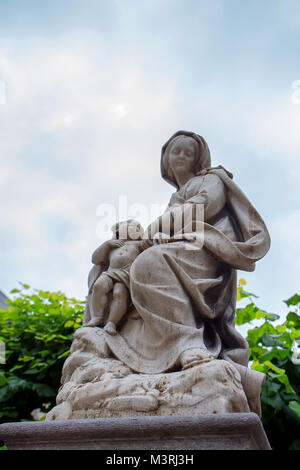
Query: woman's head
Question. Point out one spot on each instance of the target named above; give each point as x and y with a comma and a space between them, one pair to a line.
184, 151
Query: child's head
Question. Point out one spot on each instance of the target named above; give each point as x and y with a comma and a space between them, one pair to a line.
128, 230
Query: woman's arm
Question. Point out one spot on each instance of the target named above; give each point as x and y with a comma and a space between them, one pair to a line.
163, 224
212, 194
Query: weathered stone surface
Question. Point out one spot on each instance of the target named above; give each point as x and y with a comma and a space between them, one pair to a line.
234, 431
106, 388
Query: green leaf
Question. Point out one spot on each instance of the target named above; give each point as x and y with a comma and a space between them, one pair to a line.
294, 300
31, 371
13, 369
281, 354
251, 312
26, 286
17, 384
4, 393
294, 318
241, 294
271, 388
245, 315
44, 353
9, 414
63, 355
285, 380
26, 358
3, 380
271, 340
43, 390
259, 367
269, 316
295, 444
254, 335
274, 401
276, 369
295, 406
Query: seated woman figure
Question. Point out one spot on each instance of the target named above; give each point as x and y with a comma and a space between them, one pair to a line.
183, 294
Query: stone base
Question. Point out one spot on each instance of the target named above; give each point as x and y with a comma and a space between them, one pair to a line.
104, 388
234, 431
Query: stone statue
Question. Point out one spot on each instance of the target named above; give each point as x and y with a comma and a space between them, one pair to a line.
176, 350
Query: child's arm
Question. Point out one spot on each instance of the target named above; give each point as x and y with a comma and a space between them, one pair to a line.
144, 244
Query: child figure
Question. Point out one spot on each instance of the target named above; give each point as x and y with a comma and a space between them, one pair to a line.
119, 254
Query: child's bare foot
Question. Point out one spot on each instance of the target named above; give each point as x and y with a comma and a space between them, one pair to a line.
110, 328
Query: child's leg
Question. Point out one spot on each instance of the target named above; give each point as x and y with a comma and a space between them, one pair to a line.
118, 307
101, 288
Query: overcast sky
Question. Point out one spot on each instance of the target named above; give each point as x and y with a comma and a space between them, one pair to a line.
93, 88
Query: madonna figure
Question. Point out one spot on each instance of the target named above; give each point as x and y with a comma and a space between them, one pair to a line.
182, 293
184, 299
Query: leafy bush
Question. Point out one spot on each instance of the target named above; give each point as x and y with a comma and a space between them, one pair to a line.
271, 352
37, 329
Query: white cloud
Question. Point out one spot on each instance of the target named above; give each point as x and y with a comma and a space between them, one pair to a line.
77, 116
62, 121
120, 110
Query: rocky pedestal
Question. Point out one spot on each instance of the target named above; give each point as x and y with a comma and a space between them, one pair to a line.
210, 388
94, 386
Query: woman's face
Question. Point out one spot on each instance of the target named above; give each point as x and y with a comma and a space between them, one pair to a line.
183, 154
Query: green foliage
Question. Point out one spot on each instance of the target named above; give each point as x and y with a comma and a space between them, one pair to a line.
271, 352
37, 329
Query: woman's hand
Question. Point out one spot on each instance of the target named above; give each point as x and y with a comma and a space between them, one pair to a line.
160, 238
152, 229
116, 243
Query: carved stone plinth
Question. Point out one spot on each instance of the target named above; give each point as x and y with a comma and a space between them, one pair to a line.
212, 387
234, 431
